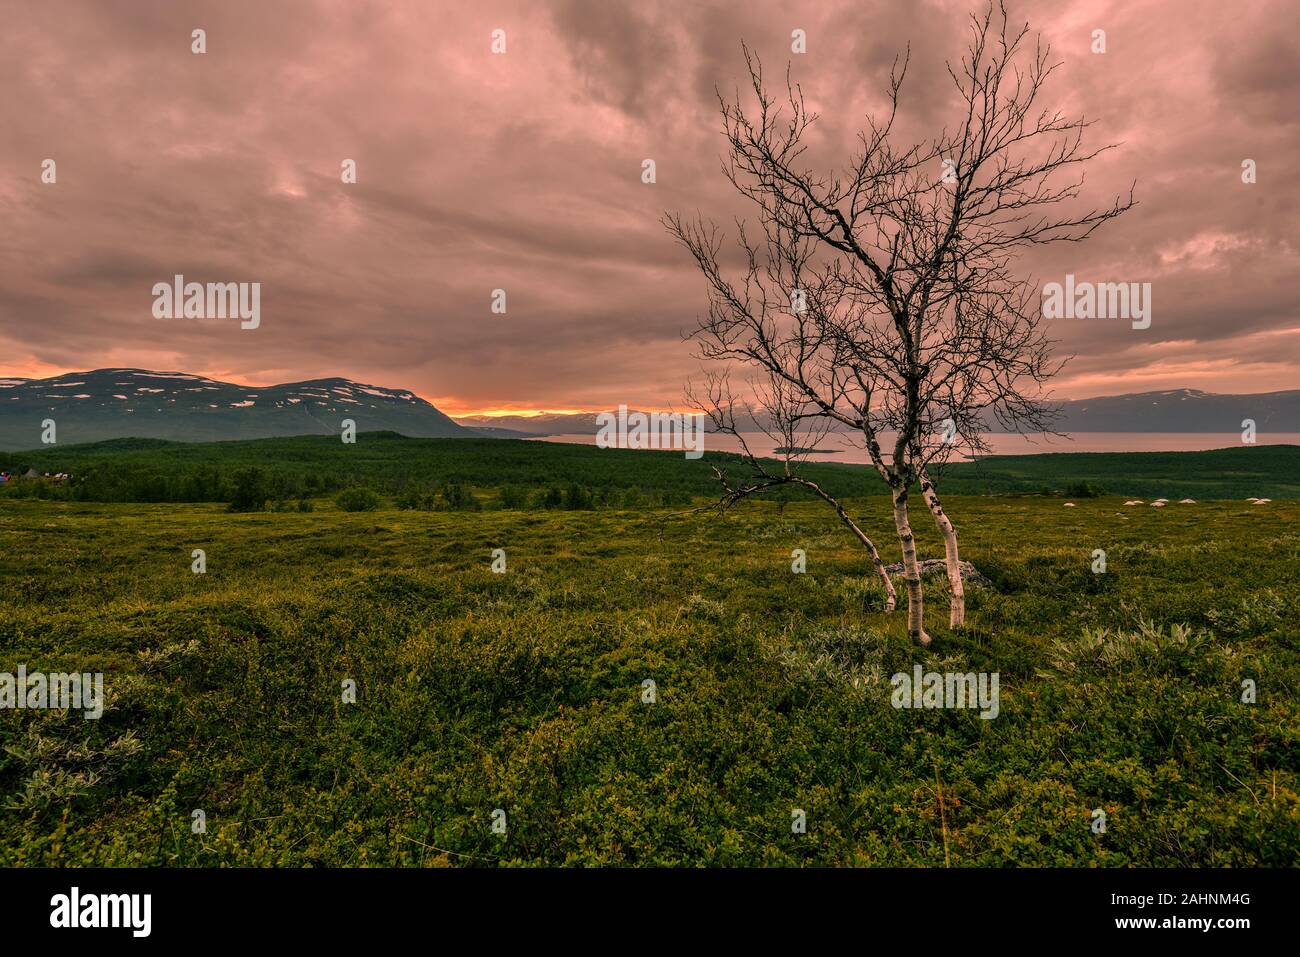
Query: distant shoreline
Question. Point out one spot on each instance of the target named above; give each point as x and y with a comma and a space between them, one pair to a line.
1001, 443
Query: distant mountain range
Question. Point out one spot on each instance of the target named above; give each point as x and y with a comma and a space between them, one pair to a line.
1182, 410
139, 403
546, 423
1177, 410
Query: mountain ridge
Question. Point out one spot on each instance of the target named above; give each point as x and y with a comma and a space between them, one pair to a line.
122, 402
129, 402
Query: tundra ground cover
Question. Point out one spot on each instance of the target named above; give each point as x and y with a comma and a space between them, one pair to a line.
523, 691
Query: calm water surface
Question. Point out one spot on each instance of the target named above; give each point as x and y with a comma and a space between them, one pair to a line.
1003, 444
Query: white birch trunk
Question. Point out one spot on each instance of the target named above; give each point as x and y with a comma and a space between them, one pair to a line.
911, 569
956, 590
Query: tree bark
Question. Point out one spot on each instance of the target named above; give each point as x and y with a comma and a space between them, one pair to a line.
956, 591
911, 570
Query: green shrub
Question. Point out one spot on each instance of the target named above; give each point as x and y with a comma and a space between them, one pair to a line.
251, 491
455, 497
512, 496
1084, 490
552, 497
358, 498
576, 497
412, 496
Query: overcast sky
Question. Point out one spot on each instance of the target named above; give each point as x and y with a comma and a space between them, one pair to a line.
522, 171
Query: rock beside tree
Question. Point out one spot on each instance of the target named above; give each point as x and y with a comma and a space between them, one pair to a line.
937, 566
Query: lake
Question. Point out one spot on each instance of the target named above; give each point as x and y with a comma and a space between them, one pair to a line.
1001, 443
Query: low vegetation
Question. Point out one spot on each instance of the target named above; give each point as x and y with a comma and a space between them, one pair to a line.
523, 691
525, 474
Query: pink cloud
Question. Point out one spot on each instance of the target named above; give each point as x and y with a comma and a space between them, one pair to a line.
522, 172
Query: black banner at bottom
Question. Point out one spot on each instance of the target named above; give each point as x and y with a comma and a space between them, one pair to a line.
338, 906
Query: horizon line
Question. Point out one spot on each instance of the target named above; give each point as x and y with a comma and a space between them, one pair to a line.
494, 412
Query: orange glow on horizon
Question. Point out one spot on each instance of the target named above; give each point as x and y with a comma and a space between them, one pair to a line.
444, 404
501, 413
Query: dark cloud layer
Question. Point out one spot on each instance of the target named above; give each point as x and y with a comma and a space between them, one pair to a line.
522, 172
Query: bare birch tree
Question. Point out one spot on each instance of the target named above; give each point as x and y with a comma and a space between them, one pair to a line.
883, 298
